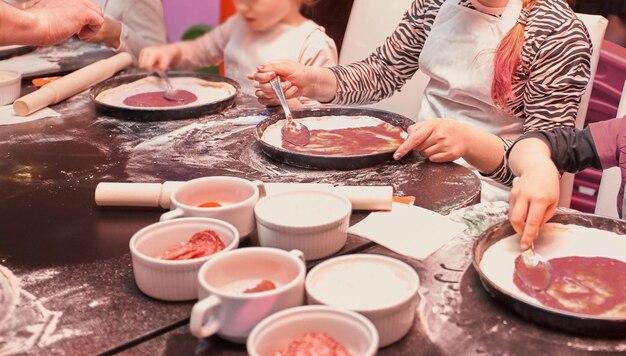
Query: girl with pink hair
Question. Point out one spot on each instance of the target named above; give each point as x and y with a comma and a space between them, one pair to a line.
497, 68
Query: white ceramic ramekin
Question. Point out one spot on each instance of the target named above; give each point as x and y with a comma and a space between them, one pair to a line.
173, 280
313, 222
353, 331
383, 289
10, 86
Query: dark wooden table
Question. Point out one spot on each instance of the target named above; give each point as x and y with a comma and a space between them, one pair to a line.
455, 316
78, 294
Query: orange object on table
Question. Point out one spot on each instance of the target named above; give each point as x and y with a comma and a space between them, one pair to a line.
39, 82
408, 199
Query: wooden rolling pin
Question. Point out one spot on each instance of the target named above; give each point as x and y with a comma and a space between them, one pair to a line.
71, 84
158, 194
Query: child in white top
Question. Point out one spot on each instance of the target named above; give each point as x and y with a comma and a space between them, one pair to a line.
130, 26
262, 31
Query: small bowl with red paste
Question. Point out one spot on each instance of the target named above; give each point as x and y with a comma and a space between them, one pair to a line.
313, 330
168, 255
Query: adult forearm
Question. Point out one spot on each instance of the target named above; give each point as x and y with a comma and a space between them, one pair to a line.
17, 26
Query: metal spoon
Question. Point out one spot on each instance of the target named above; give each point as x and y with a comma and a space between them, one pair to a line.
169, 93
533, 270
292, 132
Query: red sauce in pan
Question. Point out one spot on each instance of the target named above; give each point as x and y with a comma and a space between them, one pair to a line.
155, 99
351, 141
584, 285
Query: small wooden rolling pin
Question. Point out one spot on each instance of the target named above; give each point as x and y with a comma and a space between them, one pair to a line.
158, 194
71, 84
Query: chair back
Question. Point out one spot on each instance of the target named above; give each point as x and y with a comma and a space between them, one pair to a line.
596, 26
368, 27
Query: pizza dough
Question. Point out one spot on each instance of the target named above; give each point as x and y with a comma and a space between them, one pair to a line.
206, 92
341, 136
556, 241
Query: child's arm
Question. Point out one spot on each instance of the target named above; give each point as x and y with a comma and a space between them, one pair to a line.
141, 26
535, 193
536, 159
203, 51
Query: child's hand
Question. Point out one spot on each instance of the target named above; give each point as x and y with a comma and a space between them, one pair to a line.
109, 33
533, 200
297, 80
288, 72
440, 140
160, 57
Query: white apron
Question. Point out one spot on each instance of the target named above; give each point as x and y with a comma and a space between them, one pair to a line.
458, 57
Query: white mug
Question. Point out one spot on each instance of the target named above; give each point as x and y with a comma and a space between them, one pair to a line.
224, 309
236, 196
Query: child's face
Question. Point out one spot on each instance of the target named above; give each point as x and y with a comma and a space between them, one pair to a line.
261, 15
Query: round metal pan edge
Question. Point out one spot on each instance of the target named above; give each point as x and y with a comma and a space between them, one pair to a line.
557, 319
341, 163
144, 114
16, 51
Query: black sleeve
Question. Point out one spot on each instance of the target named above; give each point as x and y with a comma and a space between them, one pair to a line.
572, 149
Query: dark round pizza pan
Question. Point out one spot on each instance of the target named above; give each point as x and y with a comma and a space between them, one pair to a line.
570, 322
176, 113
15, 51
335, 162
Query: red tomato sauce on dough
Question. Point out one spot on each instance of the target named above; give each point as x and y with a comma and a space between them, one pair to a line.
585, 285
351, 141
155, 99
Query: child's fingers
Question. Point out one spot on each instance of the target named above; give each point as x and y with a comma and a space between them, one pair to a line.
534, 221
417, 134
263, 77
518, 210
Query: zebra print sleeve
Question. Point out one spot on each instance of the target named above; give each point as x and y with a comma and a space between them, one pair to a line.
391, 65
558, 76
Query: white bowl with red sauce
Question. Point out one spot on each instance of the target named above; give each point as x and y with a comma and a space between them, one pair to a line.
313, 222
174, 280
302, 327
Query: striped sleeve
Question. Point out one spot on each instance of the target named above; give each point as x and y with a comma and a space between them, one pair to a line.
503, 173
392, 64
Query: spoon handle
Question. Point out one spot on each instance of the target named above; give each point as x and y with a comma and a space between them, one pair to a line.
165, 78
278, 89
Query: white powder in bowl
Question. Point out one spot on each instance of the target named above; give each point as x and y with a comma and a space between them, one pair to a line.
302, 209
360, 285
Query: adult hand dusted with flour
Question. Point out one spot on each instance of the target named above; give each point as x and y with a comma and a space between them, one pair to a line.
48, 22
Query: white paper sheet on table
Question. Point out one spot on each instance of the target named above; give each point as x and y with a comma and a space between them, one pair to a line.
8, 117
408, 230
28, 64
